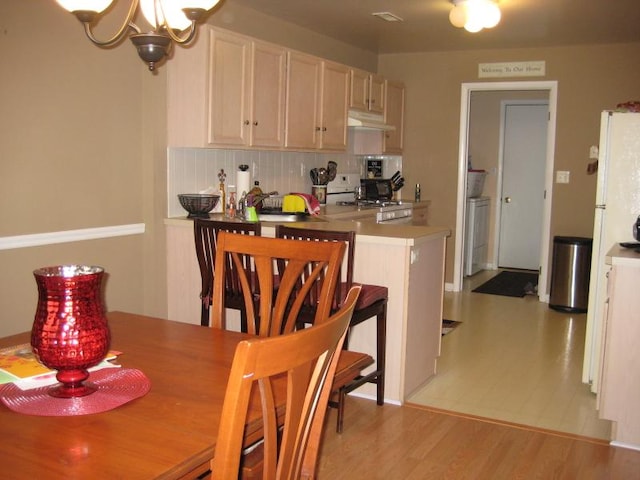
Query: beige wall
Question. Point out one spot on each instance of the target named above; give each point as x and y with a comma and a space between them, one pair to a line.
70, 155
590, 79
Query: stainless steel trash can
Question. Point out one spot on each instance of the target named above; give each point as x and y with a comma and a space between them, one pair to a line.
570, 274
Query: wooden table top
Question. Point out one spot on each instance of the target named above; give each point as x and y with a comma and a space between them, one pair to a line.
165, 434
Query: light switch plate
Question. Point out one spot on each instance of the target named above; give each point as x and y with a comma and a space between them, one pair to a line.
593, 152
562, 176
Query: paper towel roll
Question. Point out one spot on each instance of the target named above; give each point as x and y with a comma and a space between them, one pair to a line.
243, 182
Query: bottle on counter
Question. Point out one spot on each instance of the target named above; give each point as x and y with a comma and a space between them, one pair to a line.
223, 198
231, 202
418, 193
253, 194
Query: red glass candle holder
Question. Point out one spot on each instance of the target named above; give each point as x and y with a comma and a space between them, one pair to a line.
70, 332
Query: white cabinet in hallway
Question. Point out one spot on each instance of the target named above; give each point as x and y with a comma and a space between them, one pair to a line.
476, 235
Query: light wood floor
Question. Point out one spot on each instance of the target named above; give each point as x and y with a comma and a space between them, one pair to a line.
516, 360
392, 442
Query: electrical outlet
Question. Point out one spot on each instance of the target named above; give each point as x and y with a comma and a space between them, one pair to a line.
562, 176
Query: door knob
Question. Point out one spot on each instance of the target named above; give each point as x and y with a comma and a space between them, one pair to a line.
507, 199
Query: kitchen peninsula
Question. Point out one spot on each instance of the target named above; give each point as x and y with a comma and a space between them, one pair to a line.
408, 259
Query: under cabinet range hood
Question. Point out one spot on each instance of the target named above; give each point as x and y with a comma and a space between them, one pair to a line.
367, 120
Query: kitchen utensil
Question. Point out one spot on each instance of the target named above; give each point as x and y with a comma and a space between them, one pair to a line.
313, 173
397, 185
332, 168
395, 176
323, 176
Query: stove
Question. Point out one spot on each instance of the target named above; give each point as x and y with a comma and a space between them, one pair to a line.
342, 191
343, 188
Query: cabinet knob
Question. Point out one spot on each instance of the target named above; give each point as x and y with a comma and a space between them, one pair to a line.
317, 129
324, 129
246, 122
507, 199
255, 123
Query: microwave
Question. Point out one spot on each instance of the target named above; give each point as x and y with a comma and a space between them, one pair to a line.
374, 189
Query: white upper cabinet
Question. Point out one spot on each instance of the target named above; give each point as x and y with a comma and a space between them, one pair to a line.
302, 112
316, 105
366, 92
232, 91
335, 94
394, 115
227, 90
246, 92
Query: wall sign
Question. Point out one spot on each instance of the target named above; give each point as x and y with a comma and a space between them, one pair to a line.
512, 69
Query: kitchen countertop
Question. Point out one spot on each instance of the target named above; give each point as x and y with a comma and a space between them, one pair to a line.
618, 255
337, 217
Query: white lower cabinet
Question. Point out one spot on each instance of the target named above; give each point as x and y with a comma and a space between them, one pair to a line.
619, 393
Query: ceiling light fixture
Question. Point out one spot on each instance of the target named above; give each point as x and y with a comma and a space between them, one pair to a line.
474, 15
172, 21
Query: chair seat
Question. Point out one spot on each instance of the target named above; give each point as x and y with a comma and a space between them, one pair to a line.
350, 364
370, 294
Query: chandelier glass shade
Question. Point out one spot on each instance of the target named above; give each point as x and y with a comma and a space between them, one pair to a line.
474, 15
173, 21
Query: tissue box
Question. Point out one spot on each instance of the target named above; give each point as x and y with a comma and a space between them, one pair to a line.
293, 203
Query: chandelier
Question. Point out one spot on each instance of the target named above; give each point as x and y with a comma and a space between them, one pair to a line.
474, 15
172, 21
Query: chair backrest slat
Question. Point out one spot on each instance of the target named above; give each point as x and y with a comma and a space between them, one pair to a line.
346, 278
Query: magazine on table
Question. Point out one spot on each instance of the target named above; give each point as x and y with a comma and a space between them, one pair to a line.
19, 365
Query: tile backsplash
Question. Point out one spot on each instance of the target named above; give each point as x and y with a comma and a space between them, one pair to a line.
191, 170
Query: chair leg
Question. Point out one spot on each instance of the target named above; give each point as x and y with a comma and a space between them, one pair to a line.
381, 343
342, 396
204, 315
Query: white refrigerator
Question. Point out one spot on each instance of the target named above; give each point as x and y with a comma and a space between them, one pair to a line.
617, 206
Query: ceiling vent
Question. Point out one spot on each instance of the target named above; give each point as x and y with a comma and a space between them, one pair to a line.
387, 16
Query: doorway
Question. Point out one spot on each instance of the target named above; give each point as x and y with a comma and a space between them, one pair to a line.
521, 201
550, 87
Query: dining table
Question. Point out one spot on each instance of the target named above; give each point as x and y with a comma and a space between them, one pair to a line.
168, 433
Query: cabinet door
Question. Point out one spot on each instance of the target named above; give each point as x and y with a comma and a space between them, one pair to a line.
377, 93
302, 111
229, 62
394, 115
267, 95
335, 91
359, 90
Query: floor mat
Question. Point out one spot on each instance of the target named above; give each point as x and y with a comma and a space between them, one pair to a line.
511, 284
448, 326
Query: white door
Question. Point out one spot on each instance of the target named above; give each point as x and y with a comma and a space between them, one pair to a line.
523, 171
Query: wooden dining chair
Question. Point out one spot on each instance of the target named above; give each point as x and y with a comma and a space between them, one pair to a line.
308, 358
205, 236
258, 265
372, 302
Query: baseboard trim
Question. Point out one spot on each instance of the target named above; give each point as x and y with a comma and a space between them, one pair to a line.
51, 238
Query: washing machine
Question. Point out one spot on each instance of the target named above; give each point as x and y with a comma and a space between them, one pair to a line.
476, 237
